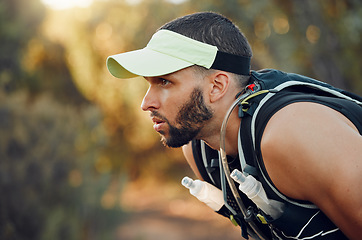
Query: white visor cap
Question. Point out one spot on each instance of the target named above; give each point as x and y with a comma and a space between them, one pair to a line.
166, 52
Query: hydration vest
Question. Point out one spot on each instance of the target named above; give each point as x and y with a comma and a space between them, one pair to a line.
272, 90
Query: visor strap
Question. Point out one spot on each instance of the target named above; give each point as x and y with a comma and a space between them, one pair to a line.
231, 63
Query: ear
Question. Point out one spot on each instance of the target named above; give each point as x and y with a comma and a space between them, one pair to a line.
220, 83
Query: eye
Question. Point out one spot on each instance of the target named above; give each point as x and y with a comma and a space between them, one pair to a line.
164, 82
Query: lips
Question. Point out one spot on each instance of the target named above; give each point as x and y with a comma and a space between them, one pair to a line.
157, 123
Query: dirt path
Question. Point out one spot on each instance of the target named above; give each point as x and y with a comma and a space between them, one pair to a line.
170, 213
156, 225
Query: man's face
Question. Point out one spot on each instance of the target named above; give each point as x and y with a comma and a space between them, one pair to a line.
177, 107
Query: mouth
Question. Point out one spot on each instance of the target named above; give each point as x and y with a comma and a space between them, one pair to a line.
158, 124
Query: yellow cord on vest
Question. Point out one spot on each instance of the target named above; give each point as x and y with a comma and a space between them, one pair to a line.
244, 102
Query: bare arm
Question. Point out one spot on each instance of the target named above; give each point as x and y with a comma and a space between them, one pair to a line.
187, 151
314, 153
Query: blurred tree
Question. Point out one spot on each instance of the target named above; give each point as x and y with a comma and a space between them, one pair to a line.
51, 139
49, 184
27, 59
328, 41
19, 21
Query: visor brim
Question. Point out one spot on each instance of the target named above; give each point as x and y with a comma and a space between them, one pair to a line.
144, 62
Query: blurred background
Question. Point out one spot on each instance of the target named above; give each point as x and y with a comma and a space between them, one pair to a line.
78, 157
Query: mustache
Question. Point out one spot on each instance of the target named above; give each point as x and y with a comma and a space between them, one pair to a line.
158, 115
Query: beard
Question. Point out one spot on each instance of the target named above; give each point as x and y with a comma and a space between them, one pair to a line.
191, 118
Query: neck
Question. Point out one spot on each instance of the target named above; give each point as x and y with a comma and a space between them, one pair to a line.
231, 136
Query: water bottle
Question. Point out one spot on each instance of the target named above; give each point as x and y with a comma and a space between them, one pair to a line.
205, 192
255, 192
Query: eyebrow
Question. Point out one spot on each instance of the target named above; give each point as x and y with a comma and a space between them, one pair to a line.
157, 78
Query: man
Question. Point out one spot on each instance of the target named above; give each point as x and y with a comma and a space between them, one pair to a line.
308, 149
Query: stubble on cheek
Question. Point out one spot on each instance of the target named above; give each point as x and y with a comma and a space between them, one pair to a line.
190, 119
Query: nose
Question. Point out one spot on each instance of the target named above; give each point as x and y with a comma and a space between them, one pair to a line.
150, 101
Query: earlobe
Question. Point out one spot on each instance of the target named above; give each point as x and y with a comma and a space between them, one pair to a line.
219, 86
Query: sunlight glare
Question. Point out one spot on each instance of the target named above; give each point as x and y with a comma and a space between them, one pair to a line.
64, 4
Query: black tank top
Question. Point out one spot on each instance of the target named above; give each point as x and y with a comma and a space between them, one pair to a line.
300, 219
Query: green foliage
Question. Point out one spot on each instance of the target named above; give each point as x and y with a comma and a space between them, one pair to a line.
48, 181
19, 21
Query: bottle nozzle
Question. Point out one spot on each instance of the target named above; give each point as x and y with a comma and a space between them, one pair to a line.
237, 176
187, 182
205, 192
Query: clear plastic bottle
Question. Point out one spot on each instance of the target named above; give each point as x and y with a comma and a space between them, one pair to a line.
205, 192
255, 192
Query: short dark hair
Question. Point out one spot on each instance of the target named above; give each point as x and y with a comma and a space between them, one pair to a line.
214, 29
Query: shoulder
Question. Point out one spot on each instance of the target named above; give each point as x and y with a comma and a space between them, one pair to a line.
313, 153
302, 142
